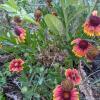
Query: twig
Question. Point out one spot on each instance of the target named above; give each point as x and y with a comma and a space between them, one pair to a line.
85, 88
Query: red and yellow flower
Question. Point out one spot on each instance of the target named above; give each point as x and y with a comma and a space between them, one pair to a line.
16, 65
92, 25
60, 94
81, 47
73, 75
20, 33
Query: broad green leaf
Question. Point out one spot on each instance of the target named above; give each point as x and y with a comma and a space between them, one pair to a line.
12, 3
8, 8
54, 24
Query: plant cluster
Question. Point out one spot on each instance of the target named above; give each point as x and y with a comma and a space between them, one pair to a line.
39, 45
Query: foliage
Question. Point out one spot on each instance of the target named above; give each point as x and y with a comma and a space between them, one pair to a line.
57, 31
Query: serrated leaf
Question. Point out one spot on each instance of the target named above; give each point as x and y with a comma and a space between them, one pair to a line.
66, 3
54, 24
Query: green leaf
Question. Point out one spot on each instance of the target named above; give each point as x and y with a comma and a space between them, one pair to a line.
54, 24
75, 15
10, 6
2, 96
71, 2
12, 3
29, 19
26, 17
7, 8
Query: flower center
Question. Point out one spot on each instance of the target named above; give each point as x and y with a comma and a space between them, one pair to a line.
66, 95
94, 20
73, 77
83, 44
18, 31
16, 64
17, 19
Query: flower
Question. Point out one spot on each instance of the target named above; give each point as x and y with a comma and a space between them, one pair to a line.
92, 25
92, 53
20, 33
81, 47
16, 65
38, 14
60, 94
48, 2
17, 20
73, 75
54, 13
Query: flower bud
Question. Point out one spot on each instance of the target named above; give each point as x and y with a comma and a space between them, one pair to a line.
54, 13
92, 53
17, 20
48, 2
37, 15
67, 85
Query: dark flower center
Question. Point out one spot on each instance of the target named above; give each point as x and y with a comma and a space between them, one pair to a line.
94, 20
17, 31
38, 14
17, 19
83, 44
74, 76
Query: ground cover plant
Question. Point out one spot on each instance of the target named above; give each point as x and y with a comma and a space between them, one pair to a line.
49, 50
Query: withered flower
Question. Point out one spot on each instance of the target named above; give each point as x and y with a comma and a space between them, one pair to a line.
38, 14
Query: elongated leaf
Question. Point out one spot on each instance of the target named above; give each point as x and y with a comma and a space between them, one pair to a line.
12, 3
10, 6
54, 24
7, 8
25, 16
75, 16
66, 3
